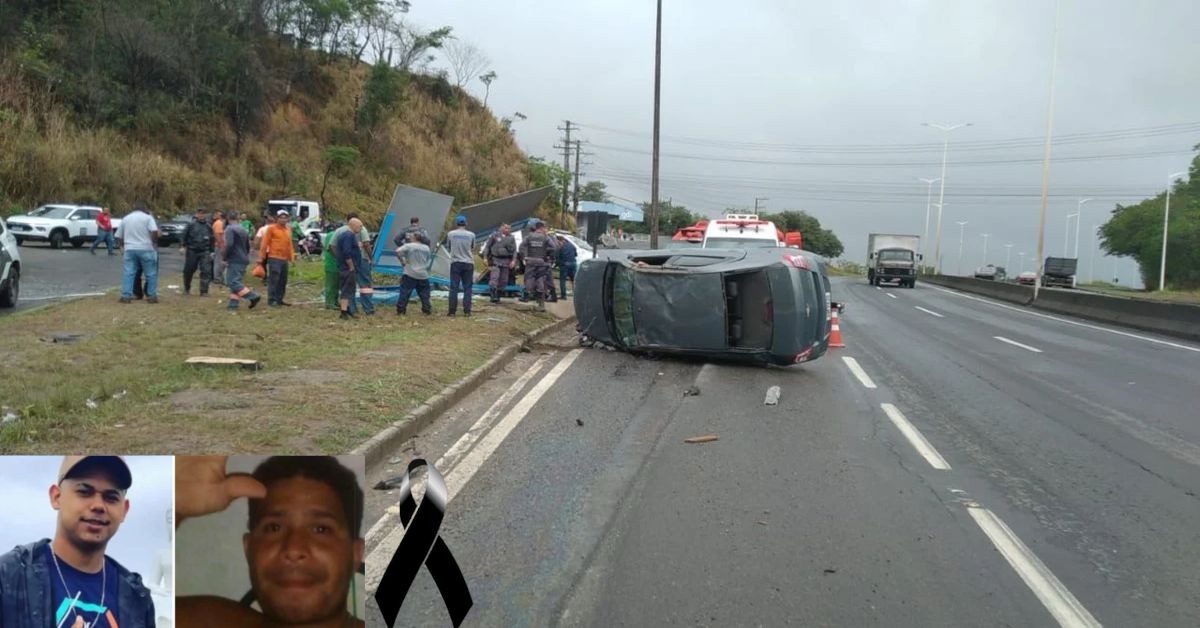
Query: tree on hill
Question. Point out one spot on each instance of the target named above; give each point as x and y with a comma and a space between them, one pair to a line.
593, 191
1136, 231
821, 241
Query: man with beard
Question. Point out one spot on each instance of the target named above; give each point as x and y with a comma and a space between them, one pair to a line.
70, 582
302, 546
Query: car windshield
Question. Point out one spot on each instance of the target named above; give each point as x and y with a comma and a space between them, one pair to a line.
182, 218
52, 211
622, 305
740, 243
895, 256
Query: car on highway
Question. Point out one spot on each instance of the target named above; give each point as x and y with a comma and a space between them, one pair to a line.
171, 231
1027, 278
768, 306
10, 267
58, 224
991, 273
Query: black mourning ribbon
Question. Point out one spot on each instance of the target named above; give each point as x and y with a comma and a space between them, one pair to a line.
421, 545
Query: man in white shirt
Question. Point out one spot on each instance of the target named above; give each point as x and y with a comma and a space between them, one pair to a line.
138, 237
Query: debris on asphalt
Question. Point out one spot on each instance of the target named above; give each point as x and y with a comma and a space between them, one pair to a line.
92, 405
761, 522
389, 484
579, 422
830, 571
702, 439
120, 395
691, 391
772, 396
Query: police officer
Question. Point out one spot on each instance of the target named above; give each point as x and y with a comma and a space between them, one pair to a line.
197, 243
500, 253
537, 253
414, 226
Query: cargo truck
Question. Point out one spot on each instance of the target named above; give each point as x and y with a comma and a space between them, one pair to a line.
893, 257
1059, 272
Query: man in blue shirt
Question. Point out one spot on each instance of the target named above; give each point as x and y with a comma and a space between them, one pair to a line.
460, 241
348, 253
69, 581
567, 255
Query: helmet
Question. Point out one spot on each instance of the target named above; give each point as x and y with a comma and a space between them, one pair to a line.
460, 219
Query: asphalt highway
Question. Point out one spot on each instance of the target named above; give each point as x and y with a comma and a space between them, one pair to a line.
960, 462
55, 274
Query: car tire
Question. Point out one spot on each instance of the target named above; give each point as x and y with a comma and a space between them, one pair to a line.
12, 289
56, 239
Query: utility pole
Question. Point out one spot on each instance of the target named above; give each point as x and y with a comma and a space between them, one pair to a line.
756, 200
566, 184
1039, 259
657, 99
578, 153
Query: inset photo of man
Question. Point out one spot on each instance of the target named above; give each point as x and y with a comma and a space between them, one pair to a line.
270, 541
85, 542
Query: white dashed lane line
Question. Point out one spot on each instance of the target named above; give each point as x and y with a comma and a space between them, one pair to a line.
891, 295
858, 371
930, 312
915, 438
1017, 344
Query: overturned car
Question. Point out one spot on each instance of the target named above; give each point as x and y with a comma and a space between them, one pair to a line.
762, 306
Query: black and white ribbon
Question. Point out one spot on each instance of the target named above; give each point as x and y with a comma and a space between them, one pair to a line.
421, 545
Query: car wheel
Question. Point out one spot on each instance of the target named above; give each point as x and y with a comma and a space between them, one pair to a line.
12, 290
56, 239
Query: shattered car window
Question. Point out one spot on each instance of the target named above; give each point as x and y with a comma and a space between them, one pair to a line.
622, 305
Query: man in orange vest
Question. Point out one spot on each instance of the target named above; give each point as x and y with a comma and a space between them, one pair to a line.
277, 252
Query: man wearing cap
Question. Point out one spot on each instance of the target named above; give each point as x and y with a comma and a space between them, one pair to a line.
277, 252
460, 241
414, 226
70, 582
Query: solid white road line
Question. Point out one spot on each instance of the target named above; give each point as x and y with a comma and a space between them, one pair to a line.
931, 312
1054, 596
858, 371
1071, 322
891, 295
915, 438
64, 296
1017, 344
462, 473
446, 463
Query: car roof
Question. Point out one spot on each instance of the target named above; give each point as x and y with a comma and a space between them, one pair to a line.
724, 260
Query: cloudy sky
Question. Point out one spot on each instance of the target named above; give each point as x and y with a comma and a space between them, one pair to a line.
819, 105
27, 481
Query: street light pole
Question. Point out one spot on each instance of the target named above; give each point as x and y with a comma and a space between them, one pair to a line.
928, 197
1067, 234
654, 159
945, 129
985, 237
1078, 220
1095, 248
1041, 239
1007, 257
1162, 266
962, 227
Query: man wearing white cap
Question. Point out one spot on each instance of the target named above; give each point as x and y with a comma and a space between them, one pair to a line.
70, 582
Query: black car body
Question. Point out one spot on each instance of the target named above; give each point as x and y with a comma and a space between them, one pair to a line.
762, 306
171, 231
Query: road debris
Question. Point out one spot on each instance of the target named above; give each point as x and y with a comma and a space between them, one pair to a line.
8, 415
772, 396
92, 405
830, 571
691, 391
120, 395
702, 439
396, 460
202, 360
62, 338
579, 422
761, 522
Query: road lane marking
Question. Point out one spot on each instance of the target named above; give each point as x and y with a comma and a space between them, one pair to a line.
858, 371
64, 296
1017, 344
1071, 322
891, 295
462, 473
878, 288
931, 312
449, 459
915, 438
1054, 595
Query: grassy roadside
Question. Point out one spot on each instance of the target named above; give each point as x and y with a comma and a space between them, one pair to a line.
1178, 296
326, 385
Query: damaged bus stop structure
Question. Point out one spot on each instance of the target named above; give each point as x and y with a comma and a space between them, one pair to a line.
433, 209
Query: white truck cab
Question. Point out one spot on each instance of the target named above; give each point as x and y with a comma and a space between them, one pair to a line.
307, 213
741, 231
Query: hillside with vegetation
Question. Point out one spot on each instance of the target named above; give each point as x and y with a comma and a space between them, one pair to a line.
229, 103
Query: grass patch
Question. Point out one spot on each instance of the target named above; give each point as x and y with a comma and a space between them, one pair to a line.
1178, 296
326, 384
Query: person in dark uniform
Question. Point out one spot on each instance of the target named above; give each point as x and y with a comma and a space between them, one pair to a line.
197, 244
501, 255
537, 253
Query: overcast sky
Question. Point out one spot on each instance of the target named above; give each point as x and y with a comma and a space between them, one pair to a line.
29, 517
787, 87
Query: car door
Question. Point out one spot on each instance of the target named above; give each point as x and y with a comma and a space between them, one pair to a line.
82, 223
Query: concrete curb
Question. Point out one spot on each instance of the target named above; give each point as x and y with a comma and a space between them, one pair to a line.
378, 445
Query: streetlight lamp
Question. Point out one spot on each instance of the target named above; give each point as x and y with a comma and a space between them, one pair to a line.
1162, 266
1079, 219
1041, 239
928, 197
1067, 234
985, 237
962, 226
945, 129
1007, 257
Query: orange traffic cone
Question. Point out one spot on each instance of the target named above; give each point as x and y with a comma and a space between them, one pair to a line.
835, 335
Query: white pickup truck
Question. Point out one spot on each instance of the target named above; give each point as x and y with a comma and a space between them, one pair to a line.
58, 224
